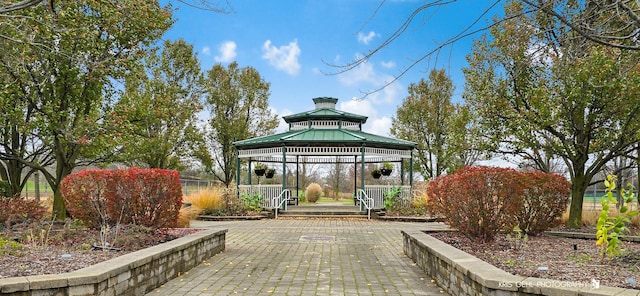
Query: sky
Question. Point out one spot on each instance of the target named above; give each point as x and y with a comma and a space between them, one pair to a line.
294, 45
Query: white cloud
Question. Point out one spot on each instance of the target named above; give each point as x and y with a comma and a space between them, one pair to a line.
227, 52
206, 50
282, 125
284, 58
362, 73
388, 65
379, 126
365, 74
362, 38
375, 125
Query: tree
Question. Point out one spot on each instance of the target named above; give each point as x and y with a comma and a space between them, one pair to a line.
18, 144
614, 23
24, 4
160, 103
18, 6
539, 87
65, 71
337, 177
238, 104
428, 117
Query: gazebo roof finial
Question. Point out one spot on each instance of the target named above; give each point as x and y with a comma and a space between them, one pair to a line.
325, 102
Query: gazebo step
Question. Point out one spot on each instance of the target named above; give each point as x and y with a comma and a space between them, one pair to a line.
321, 216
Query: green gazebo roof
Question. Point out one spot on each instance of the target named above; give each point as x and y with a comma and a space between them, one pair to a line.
311, 130
325, 114
325, 137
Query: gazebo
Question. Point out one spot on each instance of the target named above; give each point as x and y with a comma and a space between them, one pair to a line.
324, 135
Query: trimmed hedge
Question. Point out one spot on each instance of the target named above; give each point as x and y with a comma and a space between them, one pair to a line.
545, 197
483, 201
478, 201
313, 192
148, 197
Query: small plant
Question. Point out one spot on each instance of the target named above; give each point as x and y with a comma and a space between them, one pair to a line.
387, 165
609, 229
517, 238
392, 198
252, 201
8, 247
313, 192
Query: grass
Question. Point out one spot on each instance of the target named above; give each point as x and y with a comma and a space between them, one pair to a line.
590, 218
326, 200
206, 200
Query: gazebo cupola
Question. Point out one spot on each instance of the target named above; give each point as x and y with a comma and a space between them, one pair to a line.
325, 116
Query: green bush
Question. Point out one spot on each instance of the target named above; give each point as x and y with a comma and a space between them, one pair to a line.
252, 201
8, 247
313, 192
392, 199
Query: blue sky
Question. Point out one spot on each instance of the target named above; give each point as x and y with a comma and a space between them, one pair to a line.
291, 44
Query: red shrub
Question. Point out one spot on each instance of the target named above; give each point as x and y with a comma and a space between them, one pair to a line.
17, 210
478, 201
545, 197
154, 197
85, 196
148, 197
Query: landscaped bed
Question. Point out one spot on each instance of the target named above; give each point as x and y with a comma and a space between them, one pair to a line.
44, 249
552, 257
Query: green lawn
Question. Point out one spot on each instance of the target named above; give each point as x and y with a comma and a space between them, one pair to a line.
322, 200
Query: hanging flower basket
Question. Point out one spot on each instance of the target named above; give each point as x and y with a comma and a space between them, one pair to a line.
270, 173
386, 169
376, 174
259, 169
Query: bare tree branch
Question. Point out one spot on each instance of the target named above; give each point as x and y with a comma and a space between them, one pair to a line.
20, 5
614, 23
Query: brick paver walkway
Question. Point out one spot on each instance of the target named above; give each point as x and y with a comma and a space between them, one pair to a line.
307, 257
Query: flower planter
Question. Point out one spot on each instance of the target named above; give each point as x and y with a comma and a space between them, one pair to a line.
259, 172
386, 172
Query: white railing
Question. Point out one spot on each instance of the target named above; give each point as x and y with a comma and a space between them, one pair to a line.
268, 192
324, 124
377, 192
366, 201
280, 201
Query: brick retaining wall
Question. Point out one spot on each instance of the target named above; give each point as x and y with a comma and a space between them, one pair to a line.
460, 273
131, 274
